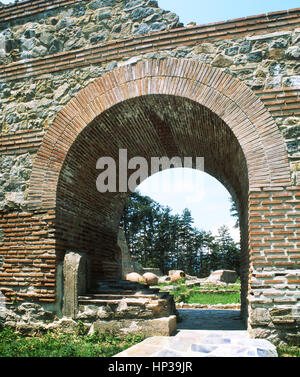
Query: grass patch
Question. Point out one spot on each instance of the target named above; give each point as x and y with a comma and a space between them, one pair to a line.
213, 298
55, 344
288, 351
208, 294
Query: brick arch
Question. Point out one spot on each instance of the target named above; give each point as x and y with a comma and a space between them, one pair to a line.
232, 101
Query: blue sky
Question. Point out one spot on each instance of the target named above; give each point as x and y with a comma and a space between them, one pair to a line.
203, 11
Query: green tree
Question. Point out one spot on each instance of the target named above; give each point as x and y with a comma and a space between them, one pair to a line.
234, 212
157, 238
228, 250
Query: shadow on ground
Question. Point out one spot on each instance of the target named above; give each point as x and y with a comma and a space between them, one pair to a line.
198, 319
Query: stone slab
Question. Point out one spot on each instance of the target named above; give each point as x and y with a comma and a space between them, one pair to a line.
203, 343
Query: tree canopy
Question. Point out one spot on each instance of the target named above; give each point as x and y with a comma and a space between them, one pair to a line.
157, 238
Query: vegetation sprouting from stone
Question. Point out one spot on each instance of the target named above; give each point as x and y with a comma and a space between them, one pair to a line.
56, 344
157, 238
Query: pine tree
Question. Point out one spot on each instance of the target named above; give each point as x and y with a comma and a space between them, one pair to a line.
157, 238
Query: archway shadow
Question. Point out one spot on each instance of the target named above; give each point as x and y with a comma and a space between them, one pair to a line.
198, 319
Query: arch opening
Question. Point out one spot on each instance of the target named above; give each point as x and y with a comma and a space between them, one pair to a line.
165, 107
146, 126
182, 219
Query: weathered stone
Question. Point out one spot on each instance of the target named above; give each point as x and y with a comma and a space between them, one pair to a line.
75, 282
132, 4
293, 53
142, 29
158, 26
29, 33
39, 51
276, 69
79, 11
104, 312
56, 46
74, 43
222, 61
64, 23
226, 276
99, 36
11, 44
255, 56
293, 131
231, 51
154, 327
245, 47
206, 48
293, 81
117, 28
66, 325
122, 306
103, 14
101, 3
214, 344
260, 316
274, 82
88, 312
62, 90
276, 53
46, 38
153, 18
280, 43
267, 36
140, 13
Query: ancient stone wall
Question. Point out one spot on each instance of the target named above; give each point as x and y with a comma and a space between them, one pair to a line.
51, 50
267, 61
65, 26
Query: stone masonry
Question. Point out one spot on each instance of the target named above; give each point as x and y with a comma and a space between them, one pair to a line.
81, 79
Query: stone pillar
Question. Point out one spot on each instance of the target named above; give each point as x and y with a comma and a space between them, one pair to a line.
126, 259
75, 281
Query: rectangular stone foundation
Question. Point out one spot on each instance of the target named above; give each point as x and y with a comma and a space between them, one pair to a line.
165, 326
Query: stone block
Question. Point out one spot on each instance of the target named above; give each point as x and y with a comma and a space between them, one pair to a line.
222, 61
260, 316
225, 276
165, 326
75, 281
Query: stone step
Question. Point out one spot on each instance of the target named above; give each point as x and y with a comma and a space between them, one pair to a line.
112, 291
119, 297
117, 283
137, 302
121, 287
113, 288
125, 293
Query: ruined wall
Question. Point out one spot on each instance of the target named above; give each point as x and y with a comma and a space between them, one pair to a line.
33, 91
77, 24
51, 51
